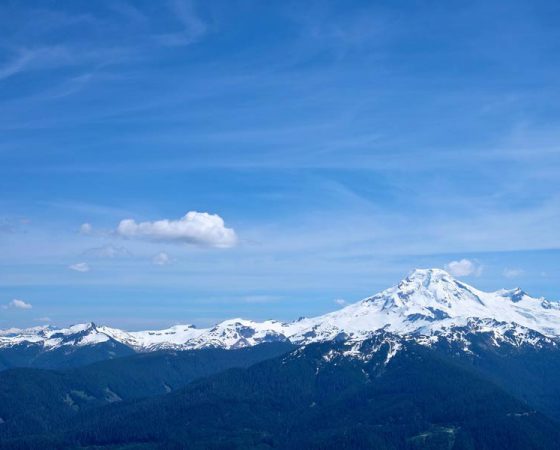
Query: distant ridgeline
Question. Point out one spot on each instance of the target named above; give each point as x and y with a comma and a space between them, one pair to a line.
431, 363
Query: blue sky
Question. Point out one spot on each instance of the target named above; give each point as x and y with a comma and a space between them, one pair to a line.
334, 145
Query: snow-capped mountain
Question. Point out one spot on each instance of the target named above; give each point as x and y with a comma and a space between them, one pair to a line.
431, 300
427, 305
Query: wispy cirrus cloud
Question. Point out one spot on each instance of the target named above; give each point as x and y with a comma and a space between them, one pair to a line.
512, 272
192, 26
44, 319
35, 58
14, 66
261, 298
108, 251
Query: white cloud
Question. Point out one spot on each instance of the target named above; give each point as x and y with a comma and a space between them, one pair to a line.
194, 228
80, 267
512, 273
18, 304
161, 259
340, 301
108, 251
36, 59
463, 268
44, 319
86, 228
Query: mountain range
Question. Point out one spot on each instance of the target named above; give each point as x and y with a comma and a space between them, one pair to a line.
429, 363
427, 304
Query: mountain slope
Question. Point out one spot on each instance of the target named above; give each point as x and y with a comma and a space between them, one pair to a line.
322, 397
35, 400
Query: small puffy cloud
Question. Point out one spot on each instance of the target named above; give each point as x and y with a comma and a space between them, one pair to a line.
86, 228
195, 228
512, 273
80, 267
161, 259
18, 304
108, 251
340, 301
463, 268
44, 319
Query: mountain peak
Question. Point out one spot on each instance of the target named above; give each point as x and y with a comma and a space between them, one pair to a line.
81, 327
428, 290
428, 280
434, 283
427, 276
